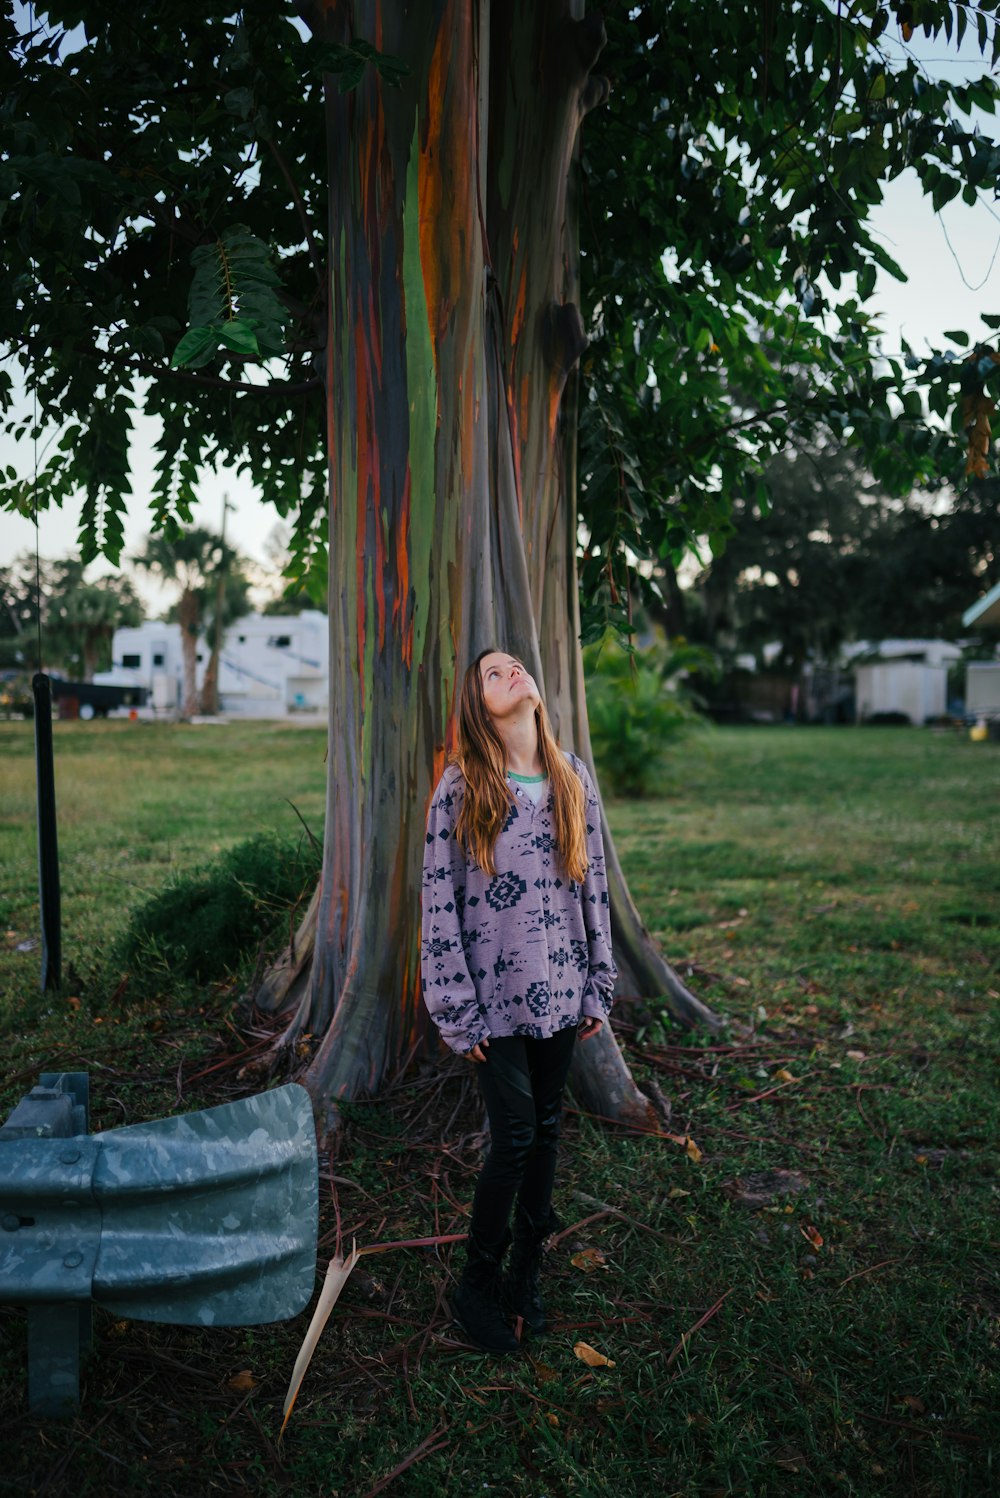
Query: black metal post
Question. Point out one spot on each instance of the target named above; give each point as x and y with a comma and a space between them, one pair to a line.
48, 843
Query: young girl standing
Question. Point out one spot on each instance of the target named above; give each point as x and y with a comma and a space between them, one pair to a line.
516, 962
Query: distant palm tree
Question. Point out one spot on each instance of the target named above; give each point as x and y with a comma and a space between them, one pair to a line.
79, 618
228, 601
93, 611
191, 562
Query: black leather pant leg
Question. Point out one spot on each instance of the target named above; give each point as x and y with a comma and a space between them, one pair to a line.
522, 1083
548, 1063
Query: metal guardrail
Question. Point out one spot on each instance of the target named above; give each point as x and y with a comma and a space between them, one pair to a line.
206, 1219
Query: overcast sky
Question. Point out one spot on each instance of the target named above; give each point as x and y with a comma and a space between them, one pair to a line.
948, 286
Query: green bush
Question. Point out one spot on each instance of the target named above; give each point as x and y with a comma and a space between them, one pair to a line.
207, 921
638, 708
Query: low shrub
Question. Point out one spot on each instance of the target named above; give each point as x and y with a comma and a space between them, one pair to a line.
638, 707
206, 922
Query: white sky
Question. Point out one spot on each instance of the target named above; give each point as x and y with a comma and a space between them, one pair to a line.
947, 288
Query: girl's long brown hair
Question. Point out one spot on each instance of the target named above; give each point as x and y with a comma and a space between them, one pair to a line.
482, 759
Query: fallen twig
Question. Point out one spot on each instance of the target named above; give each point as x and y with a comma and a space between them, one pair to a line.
712, 1310
743, 1101
871, 1270
426, 1447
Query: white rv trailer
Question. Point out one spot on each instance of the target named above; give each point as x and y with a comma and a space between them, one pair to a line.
270, 666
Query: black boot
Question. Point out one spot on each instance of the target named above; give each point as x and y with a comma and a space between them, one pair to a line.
475, 1301
522, 1295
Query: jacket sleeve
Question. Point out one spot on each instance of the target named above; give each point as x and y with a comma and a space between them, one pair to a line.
449, 992
598, 991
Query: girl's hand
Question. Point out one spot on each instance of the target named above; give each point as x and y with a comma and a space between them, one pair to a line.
478, 1052
589, 1026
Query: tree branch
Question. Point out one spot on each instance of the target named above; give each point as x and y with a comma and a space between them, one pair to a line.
301, 209
215, 382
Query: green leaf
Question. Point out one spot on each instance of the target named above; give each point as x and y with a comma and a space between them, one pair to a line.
196, 348
239, 101
957, 336
867, 276
239, 337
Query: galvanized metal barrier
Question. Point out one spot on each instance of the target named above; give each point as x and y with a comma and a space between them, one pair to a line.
206, 1219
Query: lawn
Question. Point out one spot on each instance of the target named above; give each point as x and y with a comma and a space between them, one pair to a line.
835, 893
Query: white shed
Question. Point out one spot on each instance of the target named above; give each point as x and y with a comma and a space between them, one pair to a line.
914, 688
982, 678
982, 689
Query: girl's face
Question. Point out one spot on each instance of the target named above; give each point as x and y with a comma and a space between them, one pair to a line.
507, 685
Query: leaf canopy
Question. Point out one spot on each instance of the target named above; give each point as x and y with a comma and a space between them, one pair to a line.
163, 203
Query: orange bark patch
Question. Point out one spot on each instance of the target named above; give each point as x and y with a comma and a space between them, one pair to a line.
555, 395
445, 180
520, 304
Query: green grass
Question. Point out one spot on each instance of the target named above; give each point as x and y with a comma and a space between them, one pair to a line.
836, 894
137, 804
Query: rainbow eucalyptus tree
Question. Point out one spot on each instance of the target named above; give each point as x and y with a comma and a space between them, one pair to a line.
339, 244
453, 338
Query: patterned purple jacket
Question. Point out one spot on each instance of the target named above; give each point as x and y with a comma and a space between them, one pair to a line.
525, 951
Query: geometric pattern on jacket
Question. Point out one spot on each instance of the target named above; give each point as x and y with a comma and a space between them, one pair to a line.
524, 951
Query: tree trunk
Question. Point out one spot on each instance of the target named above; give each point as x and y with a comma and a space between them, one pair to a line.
188, 612
209, 696
452, 332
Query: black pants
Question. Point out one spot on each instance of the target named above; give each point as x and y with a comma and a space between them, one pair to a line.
522, 1083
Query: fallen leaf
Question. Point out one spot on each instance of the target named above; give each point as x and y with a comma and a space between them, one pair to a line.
591, 1356
856, 1056
788, 1457
783, 1075
551, 1418
243, 1381
73, 1001
678, 1191
701, 1420
920, 1159
543, 1372
757, 1189
693, 1152
588, 1259
810, 1009
914, 1403
337, 1272
815, 1237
